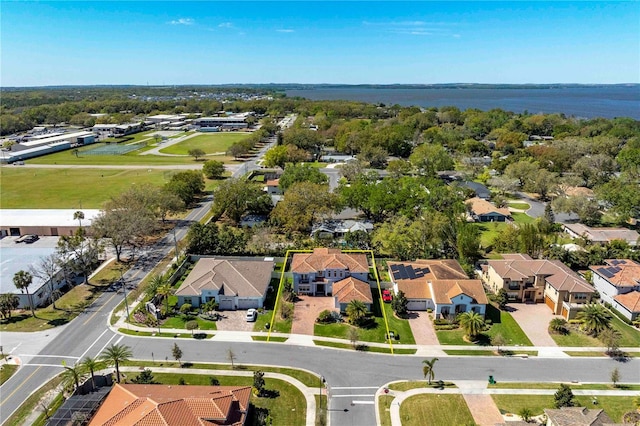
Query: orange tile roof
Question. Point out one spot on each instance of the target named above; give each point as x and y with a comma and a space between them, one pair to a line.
273, 182
324, 258
161, 405
619, 272
439, 280
480, 207
630, 300
350, 289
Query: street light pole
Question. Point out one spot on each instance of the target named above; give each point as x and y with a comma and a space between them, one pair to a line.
175, 242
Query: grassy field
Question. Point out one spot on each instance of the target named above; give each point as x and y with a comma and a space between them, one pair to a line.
384, 406
131, 158
6, 371
630, 335
210, 143
24, 188
586, 386
614, 406
435, 410
288, 408
519, 206
576, 339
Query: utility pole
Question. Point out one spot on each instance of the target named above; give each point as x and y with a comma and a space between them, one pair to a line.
124, 288
175, 242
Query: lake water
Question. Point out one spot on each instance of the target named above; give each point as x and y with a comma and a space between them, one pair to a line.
585, 102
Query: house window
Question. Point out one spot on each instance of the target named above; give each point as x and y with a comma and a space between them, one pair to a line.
580, 296
188, 300
304, 288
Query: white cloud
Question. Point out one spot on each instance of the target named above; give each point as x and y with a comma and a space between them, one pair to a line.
286, 30
182, 21
225, 25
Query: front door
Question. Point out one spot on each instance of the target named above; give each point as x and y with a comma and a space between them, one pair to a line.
320, 289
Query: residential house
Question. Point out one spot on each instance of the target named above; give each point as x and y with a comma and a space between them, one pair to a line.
618, 276
315, 273
233, 284
628, 305
162, 405
479, 189
350, 289
440, 285
334, 228
601, 235
273, 187
484, 211
577, 416
536, 280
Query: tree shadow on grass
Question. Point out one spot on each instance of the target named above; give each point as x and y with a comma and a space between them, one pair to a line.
58, 322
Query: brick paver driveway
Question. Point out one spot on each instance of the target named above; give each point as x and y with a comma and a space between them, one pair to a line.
306, 311
234, 321
422, 328
534, 321
483, 409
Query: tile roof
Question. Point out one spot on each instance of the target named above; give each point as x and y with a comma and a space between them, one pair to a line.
630, 300
325, 258
161, 405
577, 416
439, 280
555, 273
619, 272
350, 289
603, 235
273, 182
244, 278
480, 207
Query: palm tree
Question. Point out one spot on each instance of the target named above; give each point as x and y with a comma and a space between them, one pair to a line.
165, 291
558, 325
91, 365
155, 283
427, 369
72, 375
114, 355
357, 311
594, 318
22, 280
472, 323
79, 215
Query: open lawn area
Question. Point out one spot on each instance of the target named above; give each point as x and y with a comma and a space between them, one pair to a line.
630, 335
435, 410
210, 143
131, 158
384, 407
6, 371
376, 332
24, 188
288, 408
614, 406
502, 323
575, 339
519, 205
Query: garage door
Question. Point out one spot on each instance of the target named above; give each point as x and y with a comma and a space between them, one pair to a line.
226, 305
247, 303
417, 305
550, 303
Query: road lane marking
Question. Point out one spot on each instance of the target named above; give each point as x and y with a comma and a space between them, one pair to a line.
363, 402
354, 396
48, 356
99, 309
105, 345
94, 342
21, 385
46, 365
354, 387
119, 340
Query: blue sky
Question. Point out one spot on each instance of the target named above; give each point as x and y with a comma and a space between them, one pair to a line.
74, 42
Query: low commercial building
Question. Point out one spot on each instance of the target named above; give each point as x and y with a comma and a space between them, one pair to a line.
224, 123
43, 222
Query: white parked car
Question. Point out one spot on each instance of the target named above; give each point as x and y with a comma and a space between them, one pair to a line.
252, 315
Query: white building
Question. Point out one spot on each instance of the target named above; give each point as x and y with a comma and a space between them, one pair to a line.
617, 278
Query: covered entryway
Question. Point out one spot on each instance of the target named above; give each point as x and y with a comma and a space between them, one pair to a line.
320, 290
417, 305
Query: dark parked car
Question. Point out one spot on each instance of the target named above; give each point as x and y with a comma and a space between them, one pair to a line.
31, 239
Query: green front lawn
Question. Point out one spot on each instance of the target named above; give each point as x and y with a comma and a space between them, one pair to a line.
576, 339
180, 323
384, 407
365, 348
519, 206
210, 143
489, 231
614, 406
6, 371
522, 218
435, 410
419, 384
502, 323
630, 335
288, 408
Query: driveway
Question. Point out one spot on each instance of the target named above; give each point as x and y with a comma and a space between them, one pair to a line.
306, 311
422, 328
534, 320
234, 321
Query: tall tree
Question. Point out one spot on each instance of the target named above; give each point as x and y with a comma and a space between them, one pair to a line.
115, 355
22, 280
196, 153
304, 203
177, 353
428, 369
46, 269
8, 302
563, 397
91, 365
213, 169
78, 215
295, 173
594, 318
73, 375
357, 312
235, 197
78, 252
165, 291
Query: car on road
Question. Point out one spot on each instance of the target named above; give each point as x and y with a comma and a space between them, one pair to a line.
386, 296
252, 315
